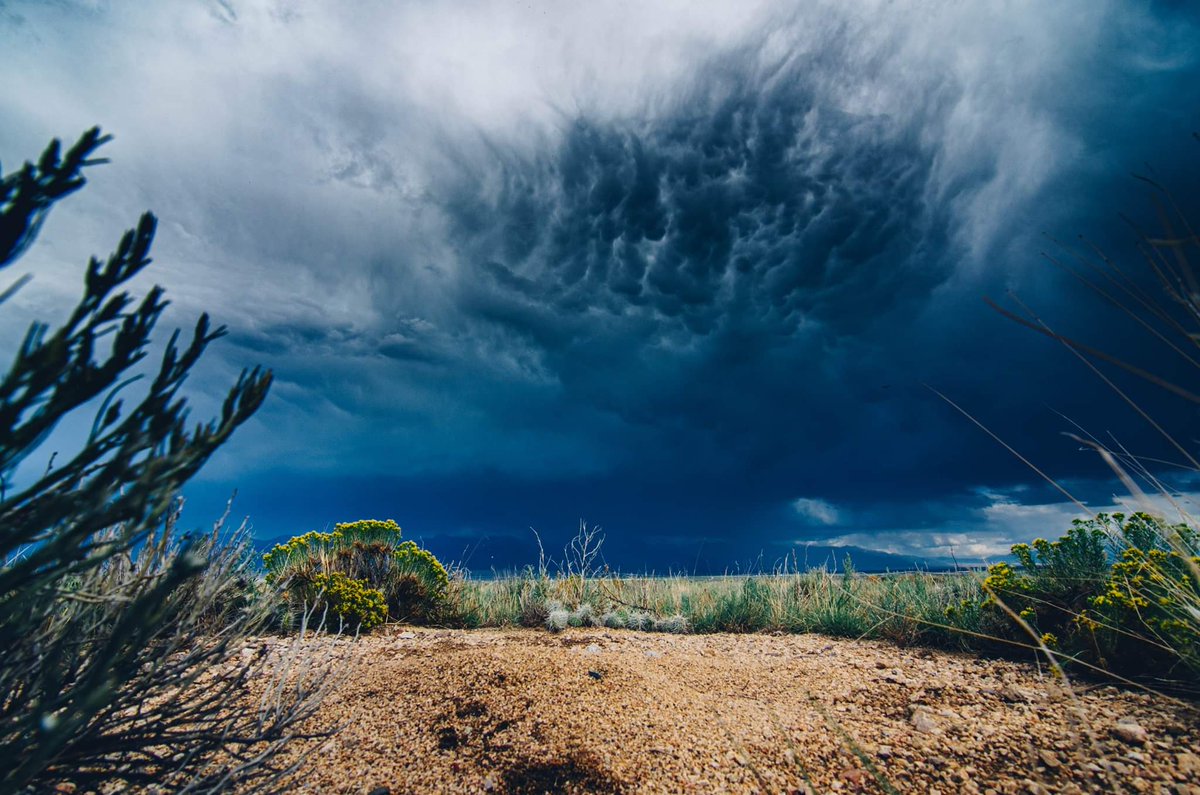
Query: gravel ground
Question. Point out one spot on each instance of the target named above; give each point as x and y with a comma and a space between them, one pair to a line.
524, 711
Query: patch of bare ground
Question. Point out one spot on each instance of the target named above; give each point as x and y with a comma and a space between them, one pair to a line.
523, 711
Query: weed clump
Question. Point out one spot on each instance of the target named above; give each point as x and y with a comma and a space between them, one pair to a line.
585, 616
613, 620
557, 619
676, 624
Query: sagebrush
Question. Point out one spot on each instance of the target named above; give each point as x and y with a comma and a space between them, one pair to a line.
122, 636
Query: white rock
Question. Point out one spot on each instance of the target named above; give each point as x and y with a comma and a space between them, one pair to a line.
923, 723
1130, 731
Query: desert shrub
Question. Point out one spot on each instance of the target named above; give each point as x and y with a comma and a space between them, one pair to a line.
121, 636
361, 550
584, 616
1063, 574
1117, 591
413, 584
1048, 588
638, 620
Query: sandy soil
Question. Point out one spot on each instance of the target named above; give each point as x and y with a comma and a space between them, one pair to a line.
524, 711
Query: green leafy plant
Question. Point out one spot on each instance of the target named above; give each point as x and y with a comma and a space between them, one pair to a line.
1056, 578
418, 583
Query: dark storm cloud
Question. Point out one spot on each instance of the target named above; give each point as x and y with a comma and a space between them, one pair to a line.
728, 272
756, 205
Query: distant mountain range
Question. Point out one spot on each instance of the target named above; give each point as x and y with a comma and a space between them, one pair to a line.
869, 560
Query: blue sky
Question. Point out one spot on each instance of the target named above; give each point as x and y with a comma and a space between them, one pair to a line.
683, 270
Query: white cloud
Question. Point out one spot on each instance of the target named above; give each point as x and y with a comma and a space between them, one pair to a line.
815, 511
987, 532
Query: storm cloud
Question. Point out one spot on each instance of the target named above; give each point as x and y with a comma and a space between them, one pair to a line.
681, 270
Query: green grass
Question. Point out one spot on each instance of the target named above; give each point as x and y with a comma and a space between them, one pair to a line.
908, 608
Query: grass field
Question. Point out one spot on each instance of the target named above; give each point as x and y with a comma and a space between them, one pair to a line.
907, 608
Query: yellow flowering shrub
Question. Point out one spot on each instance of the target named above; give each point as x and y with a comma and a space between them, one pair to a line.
1120, 590
412, 581
1003, 579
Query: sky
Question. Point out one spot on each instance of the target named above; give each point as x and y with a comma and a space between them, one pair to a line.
688, 271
